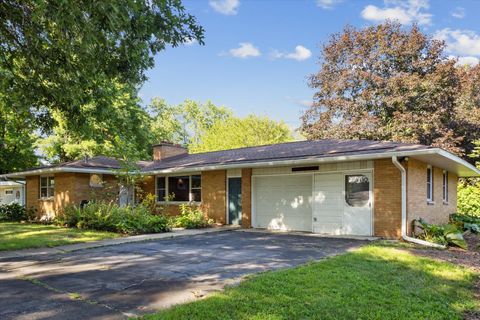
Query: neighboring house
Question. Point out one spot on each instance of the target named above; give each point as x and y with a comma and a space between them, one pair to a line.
11, 192
337, 187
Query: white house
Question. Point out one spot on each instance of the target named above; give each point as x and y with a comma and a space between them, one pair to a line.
10, 192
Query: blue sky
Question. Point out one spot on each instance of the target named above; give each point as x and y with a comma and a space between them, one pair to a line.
258, 53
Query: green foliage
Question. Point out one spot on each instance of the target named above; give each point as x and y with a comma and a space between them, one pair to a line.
242, 132
191, 218
184, 123
466, 222
446, 234
468, 199
13, 212
111, 217
64, 55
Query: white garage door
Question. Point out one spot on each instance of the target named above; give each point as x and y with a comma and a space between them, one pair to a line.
283, 202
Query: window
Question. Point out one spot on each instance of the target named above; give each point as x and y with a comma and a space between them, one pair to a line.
429, 184
9, 191
96, 180
179, 188
47, 187
161, 190
357, 190
445, 186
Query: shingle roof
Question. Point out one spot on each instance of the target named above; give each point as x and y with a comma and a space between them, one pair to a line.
282, 151
98, 162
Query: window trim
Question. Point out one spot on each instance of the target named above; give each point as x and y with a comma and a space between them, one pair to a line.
430, 182
445, 187
190, 195
8, 191
48, 187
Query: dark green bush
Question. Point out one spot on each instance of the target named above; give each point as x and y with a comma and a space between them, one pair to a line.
466, 222
13, 212
111, 217
191, 218
445, 234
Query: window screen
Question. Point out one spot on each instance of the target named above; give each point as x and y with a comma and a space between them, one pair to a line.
357, 190
47, 187
429, 184
197, 188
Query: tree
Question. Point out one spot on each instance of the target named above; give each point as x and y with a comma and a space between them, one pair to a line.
184, 123
62, 56
123, 122
387, 83
242, 132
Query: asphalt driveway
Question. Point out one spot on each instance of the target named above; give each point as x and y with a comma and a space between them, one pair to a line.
126, 280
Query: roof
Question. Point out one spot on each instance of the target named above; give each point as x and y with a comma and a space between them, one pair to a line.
291, 153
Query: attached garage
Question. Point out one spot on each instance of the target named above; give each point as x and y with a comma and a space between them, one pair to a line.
283, 202
337, 203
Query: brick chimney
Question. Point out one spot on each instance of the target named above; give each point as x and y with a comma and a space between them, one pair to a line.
166, 150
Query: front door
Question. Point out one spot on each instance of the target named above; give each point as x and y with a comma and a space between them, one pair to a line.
357, 219
234, 204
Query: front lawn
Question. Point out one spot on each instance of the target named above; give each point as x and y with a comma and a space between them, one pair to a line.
14, 235
374, 282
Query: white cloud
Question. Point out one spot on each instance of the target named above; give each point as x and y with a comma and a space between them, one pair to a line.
403, 11
245, 50
301, 53
458, 13
190, 42
467, 61
328, 4
460, 42
227, 7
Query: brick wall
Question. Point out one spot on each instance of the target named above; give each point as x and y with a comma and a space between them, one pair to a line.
247, 198
417, 206
214, 194
387, 213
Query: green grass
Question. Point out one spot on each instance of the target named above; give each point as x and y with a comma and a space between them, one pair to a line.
374, 282
15, 236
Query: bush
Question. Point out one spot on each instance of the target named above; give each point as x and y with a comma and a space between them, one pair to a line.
111, 217
191, 218
468, 199
13, 212
466, 222
445, 234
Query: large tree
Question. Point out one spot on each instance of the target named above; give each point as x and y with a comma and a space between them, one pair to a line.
385, 82
242, 132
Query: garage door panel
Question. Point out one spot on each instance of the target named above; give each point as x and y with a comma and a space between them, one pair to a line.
283, 202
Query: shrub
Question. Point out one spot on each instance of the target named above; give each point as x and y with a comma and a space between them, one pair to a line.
468, 199
111, 217
13, 212
446, 234
466, 222
191, 218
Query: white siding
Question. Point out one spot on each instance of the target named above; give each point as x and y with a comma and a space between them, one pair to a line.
283, 202
324, 167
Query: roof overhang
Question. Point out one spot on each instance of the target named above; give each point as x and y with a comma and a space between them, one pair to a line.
434, 156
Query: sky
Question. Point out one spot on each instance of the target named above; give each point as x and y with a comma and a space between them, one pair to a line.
258, 54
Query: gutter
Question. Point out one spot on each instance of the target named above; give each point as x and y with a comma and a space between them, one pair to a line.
404, 210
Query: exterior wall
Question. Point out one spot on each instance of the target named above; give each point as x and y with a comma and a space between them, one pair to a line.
246, 198
214, 195
324, 167
417, 206
70, 188
387, 208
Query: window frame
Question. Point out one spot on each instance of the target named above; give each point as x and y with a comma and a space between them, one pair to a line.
167, 191
8, 191
445, 187
49, 187
346, 192
430, 182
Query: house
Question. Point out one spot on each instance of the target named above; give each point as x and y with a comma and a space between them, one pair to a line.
337, 187
11, 192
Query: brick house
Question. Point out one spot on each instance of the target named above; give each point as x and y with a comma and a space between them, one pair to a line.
337, 187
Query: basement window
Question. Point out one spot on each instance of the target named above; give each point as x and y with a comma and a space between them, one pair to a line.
47, 187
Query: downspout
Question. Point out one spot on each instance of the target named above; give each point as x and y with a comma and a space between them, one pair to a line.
404, 209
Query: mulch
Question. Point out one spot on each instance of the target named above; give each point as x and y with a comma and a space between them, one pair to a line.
468, 258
